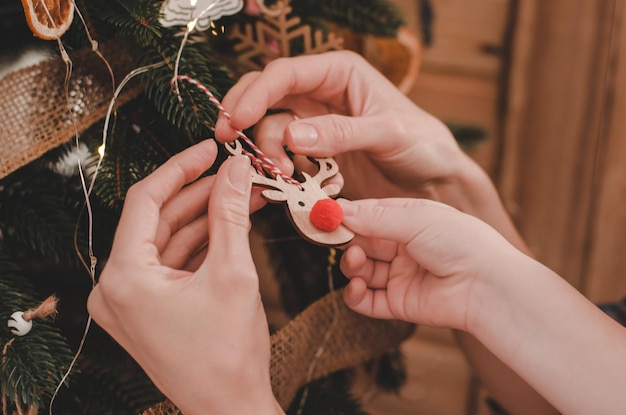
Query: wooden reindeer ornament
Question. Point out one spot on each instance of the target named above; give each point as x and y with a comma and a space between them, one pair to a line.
315, 215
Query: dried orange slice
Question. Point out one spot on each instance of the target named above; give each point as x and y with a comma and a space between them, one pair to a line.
48, 19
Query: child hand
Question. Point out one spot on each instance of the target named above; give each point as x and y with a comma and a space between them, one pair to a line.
419, 261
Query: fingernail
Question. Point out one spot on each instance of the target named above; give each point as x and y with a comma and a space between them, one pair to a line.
347, 207
239, 173
303, 134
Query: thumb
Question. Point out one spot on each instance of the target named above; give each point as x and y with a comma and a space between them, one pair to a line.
439, 237
328, 135
397, 220
229, 212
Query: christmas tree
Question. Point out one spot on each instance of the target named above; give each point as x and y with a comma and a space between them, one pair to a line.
109, 125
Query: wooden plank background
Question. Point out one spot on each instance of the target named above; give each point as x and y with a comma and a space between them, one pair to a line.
563, 161
552, 96
605, 276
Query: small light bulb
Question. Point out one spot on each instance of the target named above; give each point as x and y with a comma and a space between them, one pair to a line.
101, 150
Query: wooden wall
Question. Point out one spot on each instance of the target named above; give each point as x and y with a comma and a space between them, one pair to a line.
563, 165
547, 80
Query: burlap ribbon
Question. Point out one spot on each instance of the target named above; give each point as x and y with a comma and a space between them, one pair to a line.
354, 339
34, 109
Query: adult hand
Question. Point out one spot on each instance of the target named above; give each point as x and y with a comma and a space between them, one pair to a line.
384, 144
191, 315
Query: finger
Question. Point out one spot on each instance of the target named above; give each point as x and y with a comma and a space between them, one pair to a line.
405, 202
371, 303
229, 214
436, 236
186, 242
224, 131
190, 203
188, 246
140, 217
196, 260
355, 263
398, 221
256, 200
374, 247
269, 136
329, 135
321, 76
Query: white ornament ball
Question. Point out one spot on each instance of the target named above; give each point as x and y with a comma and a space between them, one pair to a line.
19, 326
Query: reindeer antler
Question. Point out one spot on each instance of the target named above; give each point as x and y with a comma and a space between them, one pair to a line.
328, 168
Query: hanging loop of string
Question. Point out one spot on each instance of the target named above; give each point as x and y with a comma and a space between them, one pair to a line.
260, 160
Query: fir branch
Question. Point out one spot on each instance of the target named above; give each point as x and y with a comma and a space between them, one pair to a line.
329, 395
375, 17
110, 381
136, 20
39, 211
194, 111
141, 139
33, 364
129, 157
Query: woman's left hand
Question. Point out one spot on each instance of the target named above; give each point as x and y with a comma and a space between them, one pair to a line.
180, 291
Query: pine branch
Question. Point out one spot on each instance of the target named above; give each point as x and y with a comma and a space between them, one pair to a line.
38, 211
136, 20
330, 396
141, 140
194, 113
33, 364
110, 381
375, 17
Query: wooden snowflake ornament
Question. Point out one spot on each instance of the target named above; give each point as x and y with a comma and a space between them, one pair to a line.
272, 37
315, 215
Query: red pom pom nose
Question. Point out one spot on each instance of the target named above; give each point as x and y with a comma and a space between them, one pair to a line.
326, 215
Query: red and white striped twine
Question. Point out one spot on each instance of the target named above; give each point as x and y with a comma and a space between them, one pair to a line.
260, 160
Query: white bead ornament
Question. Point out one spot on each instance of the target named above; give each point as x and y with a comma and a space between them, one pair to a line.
20, 327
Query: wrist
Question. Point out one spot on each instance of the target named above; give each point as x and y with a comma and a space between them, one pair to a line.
551, 336
241, 404
492, 308
471, 190
227, 395
468, 188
